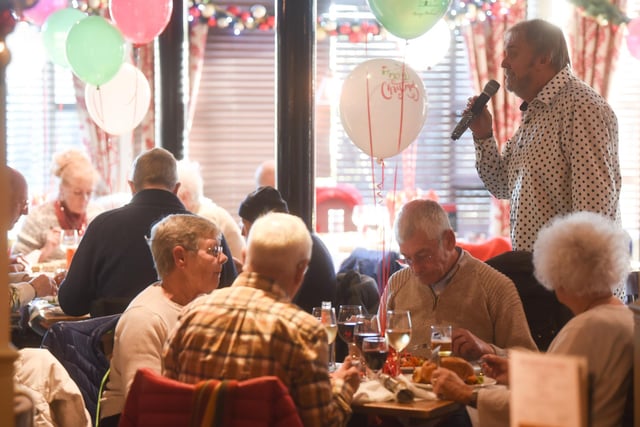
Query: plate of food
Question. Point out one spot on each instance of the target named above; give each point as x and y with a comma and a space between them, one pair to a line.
421, 376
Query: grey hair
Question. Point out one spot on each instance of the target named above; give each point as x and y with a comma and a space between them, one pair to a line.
155, 167
545, 39
184, 230
421, 215
277, 242
584, 253
191, 185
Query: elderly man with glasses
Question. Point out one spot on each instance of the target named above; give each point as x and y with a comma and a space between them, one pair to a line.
444, 284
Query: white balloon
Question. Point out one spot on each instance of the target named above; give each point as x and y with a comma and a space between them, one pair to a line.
120, 104
375, 114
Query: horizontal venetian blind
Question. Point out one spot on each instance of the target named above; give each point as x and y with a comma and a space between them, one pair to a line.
41, 113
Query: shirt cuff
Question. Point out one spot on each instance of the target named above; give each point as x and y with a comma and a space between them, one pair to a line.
26, 292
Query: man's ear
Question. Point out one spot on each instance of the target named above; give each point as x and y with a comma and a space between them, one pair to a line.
449, 239
132, 187
175, 189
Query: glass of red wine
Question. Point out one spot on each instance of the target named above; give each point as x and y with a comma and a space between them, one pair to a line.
347, 320
375, 350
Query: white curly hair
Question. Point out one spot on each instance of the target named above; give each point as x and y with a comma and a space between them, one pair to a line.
583, 253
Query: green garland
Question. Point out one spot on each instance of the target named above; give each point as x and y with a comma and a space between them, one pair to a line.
602, 10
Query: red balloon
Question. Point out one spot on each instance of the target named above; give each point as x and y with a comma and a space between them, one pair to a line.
140, 21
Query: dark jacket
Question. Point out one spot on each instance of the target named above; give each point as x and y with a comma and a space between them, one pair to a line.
113, 262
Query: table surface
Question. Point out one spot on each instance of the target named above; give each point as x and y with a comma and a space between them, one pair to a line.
422, 409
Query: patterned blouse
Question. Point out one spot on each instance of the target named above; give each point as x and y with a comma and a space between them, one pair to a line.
563, 158
250, 330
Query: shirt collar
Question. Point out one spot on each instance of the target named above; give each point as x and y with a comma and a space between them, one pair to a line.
257, 281
442, 283
550, 91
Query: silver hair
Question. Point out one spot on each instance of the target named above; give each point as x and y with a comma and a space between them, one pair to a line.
584, 254
426, 216
178, 230
277, 242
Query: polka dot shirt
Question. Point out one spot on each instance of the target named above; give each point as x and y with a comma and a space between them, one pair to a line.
563, 158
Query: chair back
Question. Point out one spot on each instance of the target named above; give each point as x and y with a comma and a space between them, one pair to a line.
80, 348
545, 314
157, 401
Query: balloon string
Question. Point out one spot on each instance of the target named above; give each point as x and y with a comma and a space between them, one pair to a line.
402, 96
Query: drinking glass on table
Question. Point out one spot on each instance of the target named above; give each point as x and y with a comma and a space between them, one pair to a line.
398, 332
367, 325
375, 350
327, 317
69, 240
441, 336
347, 320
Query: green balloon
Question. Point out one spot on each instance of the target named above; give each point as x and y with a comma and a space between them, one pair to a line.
95, 50
54, 33
408, 19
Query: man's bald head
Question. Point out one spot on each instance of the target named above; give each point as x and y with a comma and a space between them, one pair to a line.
18, 196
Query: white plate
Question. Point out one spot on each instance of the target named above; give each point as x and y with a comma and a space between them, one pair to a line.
487, 382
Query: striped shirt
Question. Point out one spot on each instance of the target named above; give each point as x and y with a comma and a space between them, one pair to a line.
249, 330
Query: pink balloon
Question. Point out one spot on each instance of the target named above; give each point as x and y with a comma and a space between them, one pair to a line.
41, 11
141, 20
633, 37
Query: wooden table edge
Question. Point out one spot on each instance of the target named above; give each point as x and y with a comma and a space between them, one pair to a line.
424, 409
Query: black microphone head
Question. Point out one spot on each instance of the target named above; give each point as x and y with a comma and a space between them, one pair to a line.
491, 88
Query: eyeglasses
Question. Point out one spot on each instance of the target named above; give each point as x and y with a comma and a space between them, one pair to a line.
214, 251
419, 258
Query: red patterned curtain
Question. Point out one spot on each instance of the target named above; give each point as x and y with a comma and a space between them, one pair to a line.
485, 46
595, 49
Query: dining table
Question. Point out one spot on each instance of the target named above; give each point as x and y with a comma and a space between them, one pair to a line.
418, 412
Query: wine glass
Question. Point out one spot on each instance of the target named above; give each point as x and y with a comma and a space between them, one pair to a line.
347, 320
367, 325
375, 350
326, 315
398, 332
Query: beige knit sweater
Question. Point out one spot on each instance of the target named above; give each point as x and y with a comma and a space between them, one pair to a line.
477, 298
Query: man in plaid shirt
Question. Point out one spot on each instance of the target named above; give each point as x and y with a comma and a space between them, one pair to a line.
252, 329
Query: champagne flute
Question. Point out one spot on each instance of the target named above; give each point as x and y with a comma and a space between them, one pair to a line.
327, 317
347, 320
375, 350
398, 332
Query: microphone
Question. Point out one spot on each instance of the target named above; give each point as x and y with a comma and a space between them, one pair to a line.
489, 90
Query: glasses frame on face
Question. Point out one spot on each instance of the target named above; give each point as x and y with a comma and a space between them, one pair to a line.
420, 258
214, 251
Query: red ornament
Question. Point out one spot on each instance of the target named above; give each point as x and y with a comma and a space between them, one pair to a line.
271, 21
344, 29
212, 22
245, 16
233, 10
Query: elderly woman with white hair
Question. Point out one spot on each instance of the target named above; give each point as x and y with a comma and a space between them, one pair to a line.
582, 257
